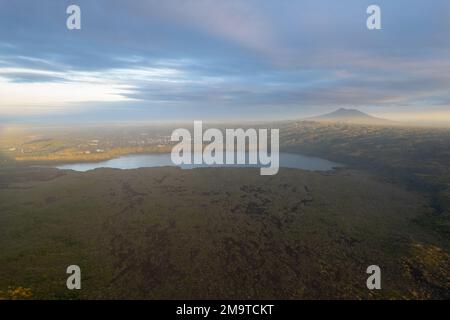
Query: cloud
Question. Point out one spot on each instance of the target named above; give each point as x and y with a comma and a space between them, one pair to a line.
255, 57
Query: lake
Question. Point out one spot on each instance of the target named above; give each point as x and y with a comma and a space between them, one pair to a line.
133, 161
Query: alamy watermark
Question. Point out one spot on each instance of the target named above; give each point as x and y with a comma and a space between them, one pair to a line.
374, 280
73, 21
237, 147
374, 20
74, 280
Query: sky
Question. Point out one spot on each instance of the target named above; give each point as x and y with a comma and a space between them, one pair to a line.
168, 60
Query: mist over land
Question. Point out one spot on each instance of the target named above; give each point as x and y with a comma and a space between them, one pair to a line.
375, 101
228, 232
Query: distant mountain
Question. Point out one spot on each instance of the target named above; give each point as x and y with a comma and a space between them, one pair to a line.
350, 116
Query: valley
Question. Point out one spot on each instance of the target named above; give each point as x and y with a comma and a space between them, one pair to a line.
229, 233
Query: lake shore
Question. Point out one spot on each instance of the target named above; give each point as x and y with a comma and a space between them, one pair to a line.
286, 160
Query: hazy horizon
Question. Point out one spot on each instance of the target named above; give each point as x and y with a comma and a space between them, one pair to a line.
413, 120
222, 61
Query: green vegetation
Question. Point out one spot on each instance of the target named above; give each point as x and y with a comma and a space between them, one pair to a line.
86, 143
417, 158
215, 233
229, 233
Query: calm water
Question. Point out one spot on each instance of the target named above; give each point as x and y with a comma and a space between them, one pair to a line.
287, 160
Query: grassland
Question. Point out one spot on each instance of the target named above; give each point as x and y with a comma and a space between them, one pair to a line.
215, 233
229, 233
31, 145
415, 158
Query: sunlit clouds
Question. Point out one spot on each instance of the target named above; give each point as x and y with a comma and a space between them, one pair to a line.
223, 59
37, 90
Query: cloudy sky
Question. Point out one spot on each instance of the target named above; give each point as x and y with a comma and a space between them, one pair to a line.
204, 59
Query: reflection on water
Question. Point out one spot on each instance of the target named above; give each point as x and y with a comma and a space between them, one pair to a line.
287, 160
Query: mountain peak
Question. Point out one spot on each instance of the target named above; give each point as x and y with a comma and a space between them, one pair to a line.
350, 116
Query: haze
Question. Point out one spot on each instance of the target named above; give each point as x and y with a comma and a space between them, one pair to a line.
210, 60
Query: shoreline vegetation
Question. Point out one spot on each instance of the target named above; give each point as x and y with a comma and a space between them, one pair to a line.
416, 158
412, 157
37, 147
63, 158
390, 205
